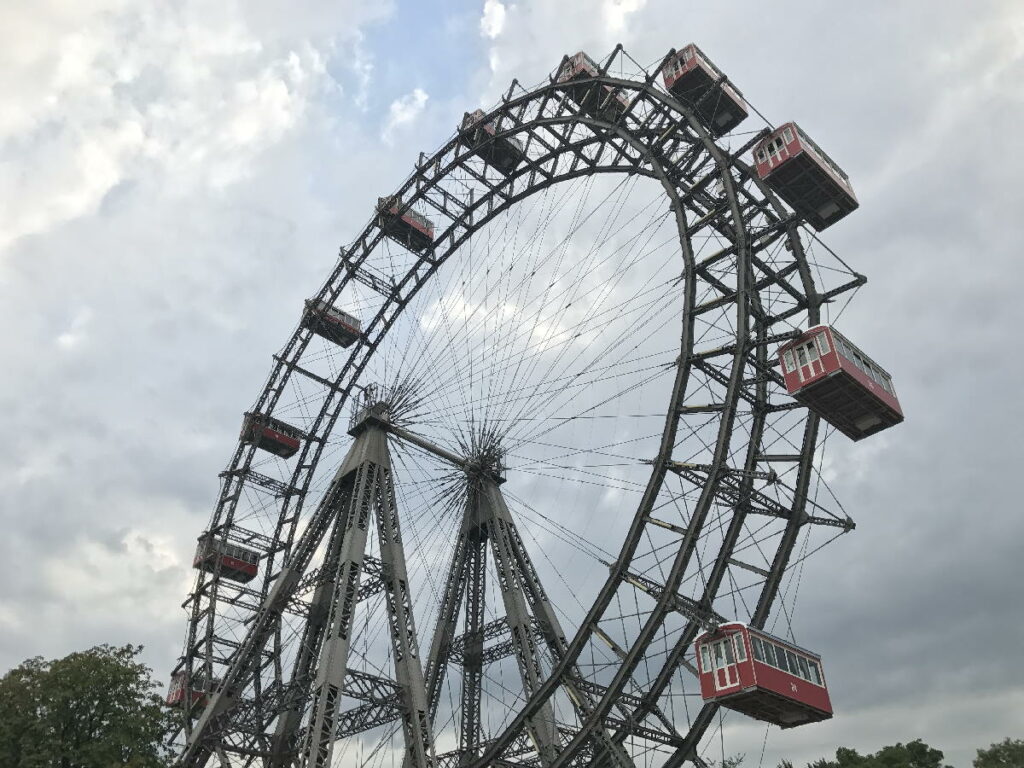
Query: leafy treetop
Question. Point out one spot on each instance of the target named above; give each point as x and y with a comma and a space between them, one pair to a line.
93, 709
1008, 753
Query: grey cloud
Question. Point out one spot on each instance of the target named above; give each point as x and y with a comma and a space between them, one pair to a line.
121, 434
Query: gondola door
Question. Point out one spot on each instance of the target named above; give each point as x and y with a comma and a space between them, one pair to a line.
726, 675
808, 362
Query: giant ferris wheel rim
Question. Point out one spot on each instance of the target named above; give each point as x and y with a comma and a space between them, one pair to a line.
415, 190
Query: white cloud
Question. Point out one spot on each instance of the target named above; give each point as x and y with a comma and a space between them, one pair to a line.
178, 94
493, 19
617, 12
404, 111
360, 61
76, 331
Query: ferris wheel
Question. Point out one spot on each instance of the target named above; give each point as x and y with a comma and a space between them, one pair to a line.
534, 477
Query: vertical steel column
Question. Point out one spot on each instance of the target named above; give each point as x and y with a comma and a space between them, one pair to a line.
246, 662
448, 615
548, 622
419, 747
318, 744
473, 647
285, 732
541, 725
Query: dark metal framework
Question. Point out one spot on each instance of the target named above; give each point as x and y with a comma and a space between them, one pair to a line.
753, 287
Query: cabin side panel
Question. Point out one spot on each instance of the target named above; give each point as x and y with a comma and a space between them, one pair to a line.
792, 687
850, 368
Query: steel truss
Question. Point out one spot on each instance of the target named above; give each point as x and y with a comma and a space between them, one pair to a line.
265, 712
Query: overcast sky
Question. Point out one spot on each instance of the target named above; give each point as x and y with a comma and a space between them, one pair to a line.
176, 176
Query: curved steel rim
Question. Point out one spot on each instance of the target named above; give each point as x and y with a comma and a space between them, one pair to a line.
415, 189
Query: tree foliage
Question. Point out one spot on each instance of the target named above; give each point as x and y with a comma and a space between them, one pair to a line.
93, 709
915, 754
733, 761
1009, 753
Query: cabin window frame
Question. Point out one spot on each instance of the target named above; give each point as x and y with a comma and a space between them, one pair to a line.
350, 320
794, 667
706, 664
769, 649
741, 647
805, 670
755, 647
779, 657
785, 660
788, 135
780, 662
788, 361
863, 363
843, 347
812, 352
822, 342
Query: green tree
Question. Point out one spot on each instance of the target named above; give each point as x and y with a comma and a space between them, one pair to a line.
1008, 753
93, 709
915, 754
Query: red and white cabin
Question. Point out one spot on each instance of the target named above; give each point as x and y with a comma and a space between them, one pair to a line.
607, 102
766, 678
404, 225
236, 563
690, 76
837, 381
800, 172
177, 692
271, 435
332, 323
503, 153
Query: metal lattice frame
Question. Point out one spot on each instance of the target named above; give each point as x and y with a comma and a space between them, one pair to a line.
749, 285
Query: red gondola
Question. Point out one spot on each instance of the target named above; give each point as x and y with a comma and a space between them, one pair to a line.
607, 102
271, 435
236, 563
833, 378
404, 225
177, 693
804, 176
690, 76
766, 678
502, 153
332, 323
